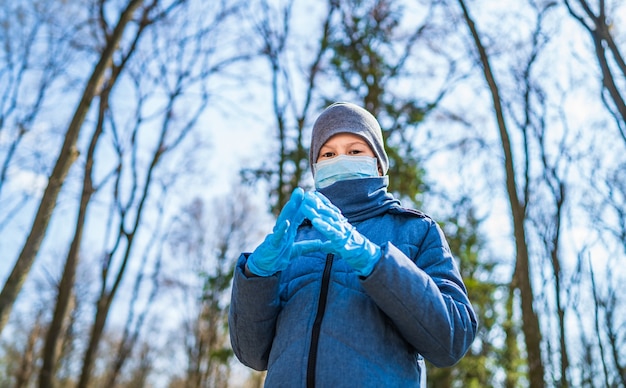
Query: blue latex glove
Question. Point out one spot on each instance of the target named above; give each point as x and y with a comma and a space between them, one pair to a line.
275, 252
343, 238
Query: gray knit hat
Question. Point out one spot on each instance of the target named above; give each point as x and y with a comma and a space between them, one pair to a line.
344, 117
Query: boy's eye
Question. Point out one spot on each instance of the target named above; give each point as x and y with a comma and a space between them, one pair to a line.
354, 152
327, 154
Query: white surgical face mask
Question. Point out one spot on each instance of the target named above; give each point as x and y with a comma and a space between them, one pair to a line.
344, 167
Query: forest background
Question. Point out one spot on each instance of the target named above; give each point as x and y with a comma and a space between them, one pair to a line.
145, 143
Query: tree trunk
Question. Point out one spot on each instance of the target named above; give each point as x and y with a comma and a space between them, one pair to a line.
102, 312
46, 376
25, 370
521, 277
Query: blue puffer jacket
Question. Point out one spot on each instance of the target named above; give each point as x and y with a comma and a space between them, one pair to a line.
319, 324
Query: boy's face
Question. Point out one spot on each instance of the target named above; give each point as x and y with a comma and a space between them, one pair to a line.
345, 144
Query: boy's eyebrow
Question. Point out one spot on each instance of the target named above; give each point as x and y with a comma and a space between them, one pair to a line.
356, 142
359, 142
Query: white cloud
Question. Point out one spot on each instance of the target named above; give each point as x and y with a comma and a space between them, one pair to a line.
26, 182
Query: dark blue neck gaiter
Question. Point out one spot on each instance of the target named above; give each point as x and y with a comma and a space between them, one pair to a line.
362, 198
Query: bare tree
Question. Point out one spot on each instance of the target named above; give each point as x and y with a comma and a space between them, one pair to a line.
67, 281
615, 336
128, 211
598, 24
290, 105
208, 238
606, 282
67, 155
522, 274
189, 66
552, 174
26, 366
139, 309
27, 74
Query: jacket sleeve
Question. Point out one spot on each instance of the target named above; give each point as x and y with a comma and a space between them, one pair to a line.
427, 302
254, 308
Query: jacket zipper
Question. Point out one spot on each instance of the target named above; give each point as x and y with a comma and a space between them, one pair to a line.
317, 324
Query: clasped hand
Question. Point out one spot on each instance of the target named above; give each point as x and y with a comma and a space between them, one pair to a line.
342, 238
276, 251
